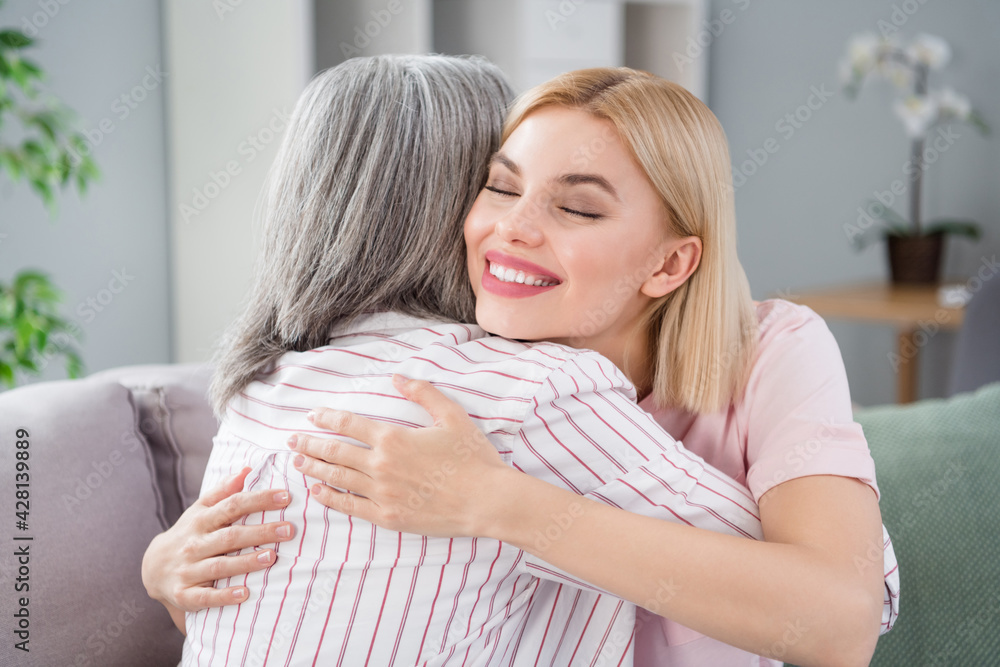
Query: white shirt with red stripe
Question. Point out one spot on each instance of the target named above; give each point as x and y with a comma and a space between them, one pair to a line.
344, 591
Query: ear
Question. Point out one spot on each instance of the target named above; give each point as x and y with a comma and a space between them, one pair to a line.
681, 258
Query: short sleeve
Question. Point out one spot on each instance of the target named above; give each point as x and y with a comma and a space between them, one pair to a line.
797, 406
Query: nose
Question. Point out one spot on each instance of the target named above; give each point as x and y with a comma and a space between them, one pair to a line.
520, 226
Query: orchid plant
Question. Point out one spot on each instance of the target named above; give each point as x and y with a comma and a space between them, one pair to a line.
908, 67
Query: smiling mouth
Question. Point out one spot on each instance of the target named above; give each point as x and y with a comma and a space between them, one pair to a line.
508, 275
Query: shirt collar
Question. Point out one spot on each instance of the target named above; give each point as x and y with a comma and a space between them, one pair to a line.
386, 323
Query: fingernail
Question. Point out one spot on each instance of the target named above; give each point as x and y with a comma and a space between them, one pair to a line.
281, 497
399, 380
299, 461
293, 441
315, 489
311, 416
284, 531
264, 556
239, 594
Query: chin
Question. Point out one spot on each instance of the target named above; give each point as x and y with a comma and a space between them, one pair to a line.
506, 326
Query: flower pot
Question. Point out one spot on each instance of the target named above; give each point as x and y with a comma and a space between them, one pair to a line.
915, 259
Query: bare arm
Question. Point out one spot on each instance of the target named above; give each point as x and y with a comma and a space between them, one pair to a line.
800, 595
181, 564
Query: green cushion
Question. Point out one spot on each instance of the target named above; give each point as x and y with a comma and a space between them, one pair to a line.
938, 469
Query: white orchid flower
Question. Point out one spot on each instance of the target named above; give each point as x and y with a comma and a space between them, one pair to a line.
918, 113
952, 104
863, 52
929, 50
899, 74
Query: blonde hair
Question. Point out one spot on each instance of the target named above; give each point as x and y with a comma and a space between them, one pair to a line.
702, 335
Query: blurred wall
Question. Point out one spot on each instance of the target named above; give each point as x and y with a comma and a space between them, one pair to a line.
792, 209
105, 61
227, 83
237, 69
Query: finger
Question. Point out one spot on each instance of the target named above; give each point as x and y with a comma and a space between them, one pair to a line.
345, 503
237, 537
204, 573
226, 488
441, 408
203, 597
235, 507
332, 451
350, 425
333, 475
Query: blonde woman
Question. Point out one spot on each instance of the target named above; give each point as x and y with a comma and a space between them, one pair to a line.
757, 389
606, 223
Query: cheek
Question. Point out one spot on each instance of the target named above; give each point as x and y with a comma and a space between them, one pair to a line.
476, 227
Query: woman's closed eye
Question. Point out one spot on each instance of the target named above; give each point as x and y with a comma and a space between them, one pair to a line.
582, 214
501, 190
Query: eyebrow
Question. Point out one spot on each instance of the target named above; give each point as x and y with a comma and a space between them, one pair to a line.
565, 179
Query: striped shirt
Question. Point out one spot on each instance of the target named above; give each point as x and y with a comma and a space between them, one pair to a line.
344, 591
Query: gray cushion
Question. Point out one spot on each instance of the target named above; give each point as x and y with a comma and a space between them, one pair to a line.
177, 420
94, 506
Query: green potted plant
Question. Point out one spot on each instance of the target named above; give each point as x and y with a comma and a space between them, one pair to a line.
914, 246
50, 156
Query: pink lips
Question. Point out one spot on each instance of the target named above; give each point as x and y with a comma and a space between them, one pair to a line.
514, 290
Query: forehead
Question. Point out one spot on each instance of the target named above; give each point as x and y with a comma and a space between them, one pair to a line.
564, 133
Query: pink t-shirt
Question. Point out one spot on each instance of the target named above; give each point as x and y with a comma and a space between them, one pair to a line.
794, 420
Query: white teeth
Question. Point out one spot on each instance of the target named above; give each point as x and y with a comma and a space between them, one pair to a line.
509, 275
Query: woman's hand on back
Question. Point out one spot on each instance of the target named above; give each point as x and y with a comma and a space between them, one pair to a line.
181, 563
434, 481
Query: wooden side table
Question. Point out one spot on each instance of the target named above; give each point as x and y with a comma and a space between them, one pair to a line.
912, 309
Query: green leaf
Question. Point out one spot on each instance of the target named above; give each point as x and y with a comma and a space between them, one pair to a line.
11, 161
967, 228
15, 39
74, 365
6, 374
28, 277
979, 123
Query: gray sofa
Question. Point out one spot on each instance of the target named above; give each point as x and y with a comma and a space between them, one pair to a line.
113, 460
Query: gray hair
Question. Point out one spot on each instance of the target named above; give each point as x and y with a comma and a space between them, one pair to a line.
363, 208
